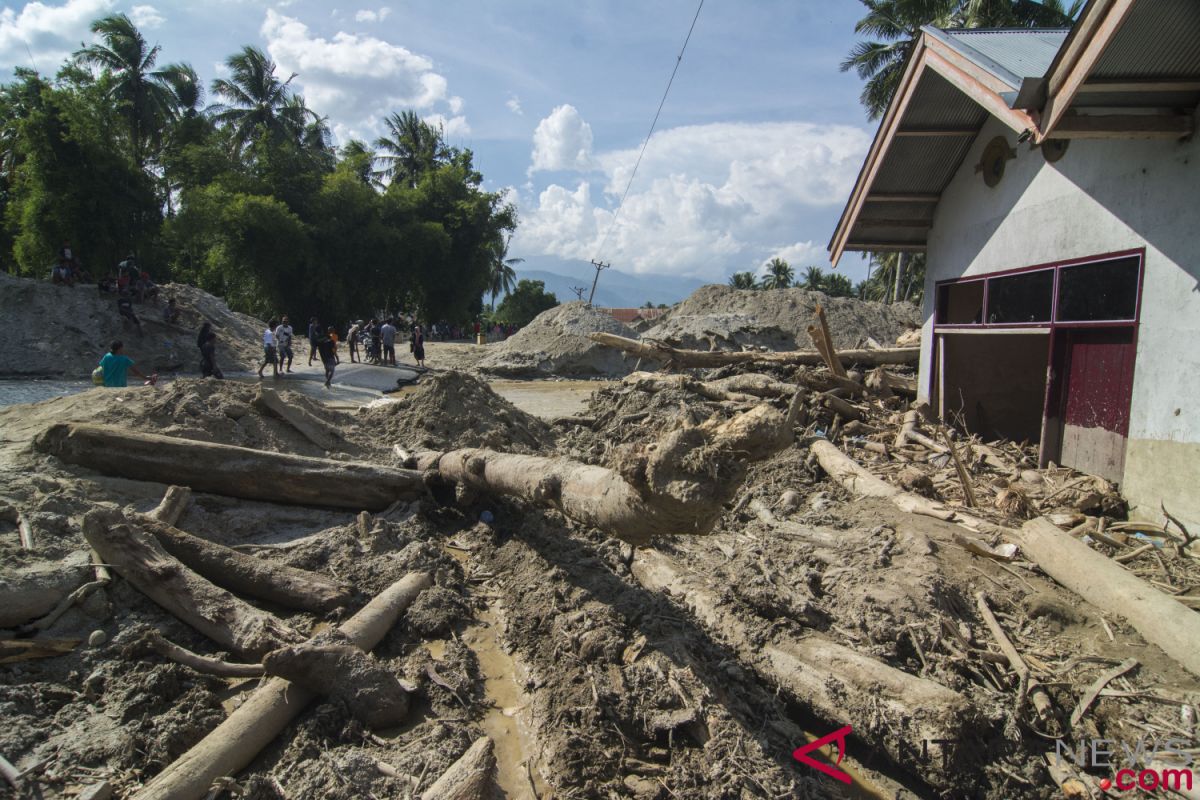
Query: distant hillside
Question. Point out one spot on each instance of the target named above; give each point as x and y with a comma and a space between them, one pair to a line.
616, 288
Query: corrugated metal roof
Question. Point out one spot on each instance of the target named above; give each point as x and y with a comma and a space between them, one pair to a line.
938, 103
1160, 40
1010, 54
921, 164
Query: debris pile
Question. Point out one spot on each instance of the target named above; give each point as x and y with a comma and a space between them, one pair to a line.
723, 318
556, 343
69, 328
445, 591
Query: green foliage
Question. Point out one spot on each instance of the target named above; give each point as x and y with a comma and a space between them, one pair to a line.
881, 283
246, 198
779, 275
743, 280
529, 299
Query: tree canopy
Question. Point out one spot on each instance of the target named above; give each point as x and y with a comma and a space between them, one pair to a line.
529, 299
246, 198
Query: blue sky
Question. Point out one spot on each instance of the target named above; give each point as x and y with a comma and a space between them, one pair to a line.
754, 154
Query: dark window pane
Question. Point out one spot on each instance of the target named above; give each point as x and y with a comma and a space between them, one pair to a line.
960, 303
1103, 291
1025, 297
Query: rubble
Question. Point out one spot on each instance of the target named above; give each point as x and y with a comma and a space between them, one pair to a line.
556, 343
845, 560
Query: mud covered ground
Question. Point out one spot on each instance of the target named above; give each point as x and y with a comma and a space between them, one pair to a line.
541, 635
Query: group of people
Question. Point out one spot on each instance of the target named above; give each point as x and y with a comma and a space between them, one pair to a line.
67, 270
378, 342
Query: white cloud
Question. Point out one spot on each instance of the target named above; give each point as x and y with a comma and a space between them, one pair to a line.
798, 255
357, 80
47, 33
146, 16
514, 105
368, 15
451, 126
562, 141
707, 199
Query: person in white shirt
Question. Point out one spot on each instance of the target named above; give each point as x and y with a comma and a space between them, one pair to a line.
283, 342
269, 355
388, 334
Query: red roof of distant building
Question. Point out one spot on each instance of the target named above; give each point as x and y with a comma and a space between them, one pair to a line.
631, 315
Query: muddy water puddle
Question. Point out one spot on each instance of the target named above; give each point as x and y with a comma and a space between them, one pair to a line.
548, 399
506, 720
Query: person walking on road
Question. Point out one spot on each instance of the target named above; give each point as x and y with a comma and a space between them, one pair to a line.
352, 340
418, 346
314, 333
388, 334
327, 347
283, 341
207, 342
270, 355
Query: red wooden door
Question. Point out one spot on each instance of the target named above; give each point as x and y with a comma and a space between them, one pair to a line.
1097, 388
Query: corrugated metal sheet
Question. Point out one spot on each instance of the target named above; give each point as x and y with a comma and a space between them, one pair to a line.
1009, 53
1160, 40
920, 164
906, 210
937, 103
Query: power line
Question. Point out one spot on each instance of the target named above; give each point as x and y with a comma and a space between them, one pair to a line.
645, 144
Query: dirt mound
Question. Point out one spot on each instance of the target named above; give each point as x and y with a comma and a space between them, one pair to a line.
723, 318
65, 330
453, 409
557, 343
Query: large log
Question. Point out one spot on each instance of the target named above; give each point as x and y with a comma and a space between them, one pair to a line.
904, 710
215, 612
851, 475
1159, 618
675, 488
237, 741
251, 576
311, 427
231, 471
657, 351
471, 777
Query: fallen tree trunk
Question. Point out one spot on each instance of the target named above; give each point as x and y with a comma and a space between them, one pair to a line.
35, 592
233, 744
675, 357
245, 574
1159, 618
152, 640
675, 488
471, 776
311, 427
903, 709
173, 505
215, 612
650, 382
846, 471
231, 471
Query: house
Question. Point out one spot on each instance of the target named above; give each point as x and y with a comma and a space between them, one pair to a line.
632, 316
1052, 178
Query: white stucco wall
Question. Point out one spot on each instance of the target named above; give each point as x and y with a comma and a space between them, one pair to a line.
1102, 196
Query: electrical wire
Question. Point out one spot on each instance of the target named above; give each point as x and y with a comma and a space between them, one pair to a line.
645, 144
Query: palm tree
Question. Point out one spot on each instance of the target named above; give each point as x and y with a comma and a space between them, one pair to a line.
358, 157
412, 148
503, 277
779, 274
814, 278
898, 24
743, 280
144, 96
838, 285
253, 97
187, 93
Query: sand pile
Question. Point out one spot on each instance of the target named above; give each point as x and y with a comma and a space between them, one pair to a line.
723, 318
556, 343
64, 331
453, 409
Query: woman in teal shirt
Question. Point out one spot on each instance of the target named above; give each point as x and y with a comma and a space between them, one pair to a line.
116, 366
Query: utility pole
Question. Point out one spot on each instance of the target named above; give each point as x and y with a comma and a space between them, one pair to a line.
599, 265
578, 290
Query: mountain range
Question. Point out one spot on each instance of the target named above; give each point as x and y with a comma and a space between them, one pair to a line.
615, 288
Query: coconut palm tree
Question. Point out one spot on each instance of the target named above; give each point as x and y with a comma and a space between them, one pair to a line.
411, 148
779, 275
503, 277
743, 280
253, 98
142, 94
814, 278
838, 285
893, 25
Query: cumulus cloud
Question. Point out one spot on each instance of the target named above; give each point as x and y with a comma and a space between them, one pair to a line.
46, 33
562, 141
357, 80
514, 105
146, 16
451, 126
368, 15
708, 199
